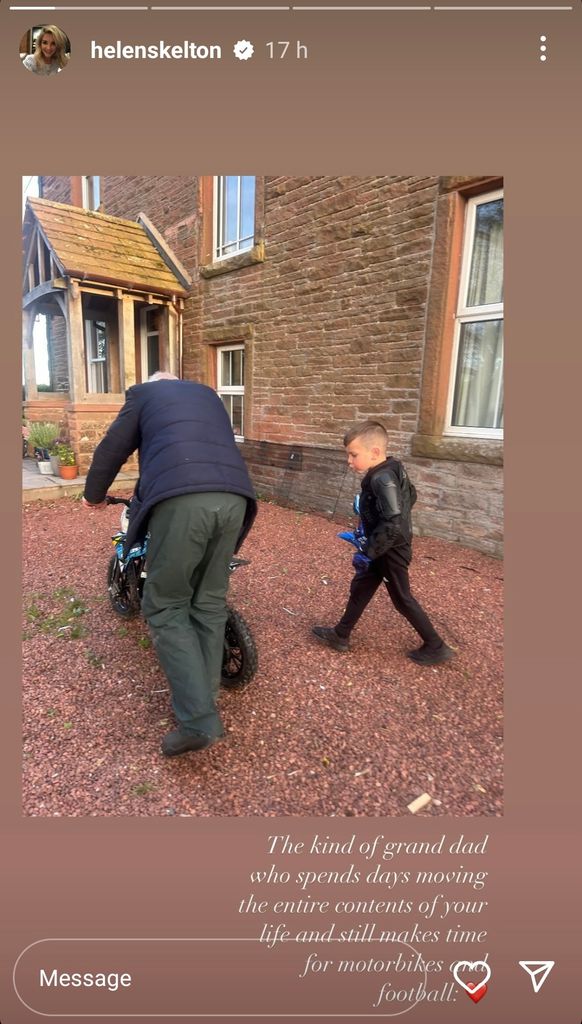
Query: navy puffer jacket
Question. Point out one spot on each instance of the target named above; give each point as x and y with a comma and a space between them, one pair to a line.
185, 443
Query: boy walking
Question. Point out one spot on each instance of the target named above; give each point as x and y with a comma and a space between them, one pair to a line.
385, 551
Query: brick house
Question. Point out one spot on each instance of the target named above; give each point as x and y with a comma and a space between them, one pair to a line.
310, 303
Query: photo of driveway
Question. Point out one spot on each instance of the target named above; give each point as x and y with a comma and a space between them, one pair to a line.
317, 732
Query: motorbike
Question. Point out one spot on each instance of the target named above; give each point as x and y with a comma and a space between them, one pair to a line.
126, 575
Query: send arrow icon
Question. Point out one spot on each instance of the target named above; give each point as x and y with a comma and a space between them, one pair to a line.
538, 971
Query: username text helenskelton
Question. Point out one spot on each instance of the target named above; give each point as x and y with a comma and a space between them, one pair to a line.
155, 51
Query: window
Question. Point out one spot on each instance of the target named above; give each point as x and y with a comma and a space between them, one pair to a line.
230, 377
234, 215
150, 341
96, 349
91, 191
475, 403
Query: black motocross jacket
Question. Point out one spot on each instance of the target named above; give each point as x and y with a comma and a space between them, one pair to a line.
386, 501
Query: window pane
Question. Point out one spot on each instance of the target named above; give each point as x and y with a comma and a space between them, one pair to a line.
225, 369
486, 277
98, 378
248, 210
237, 367
227, 402
236, 213
231, 210
153, 355
100, 340
237, 414
478, 400
96, 348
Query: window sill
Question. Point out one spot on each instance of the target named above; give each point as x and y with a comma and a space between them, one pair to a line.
50, 396
242, 259
487, 451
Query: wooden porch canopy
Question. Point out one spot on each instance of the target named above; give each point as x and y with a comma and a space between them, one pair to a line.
83, 268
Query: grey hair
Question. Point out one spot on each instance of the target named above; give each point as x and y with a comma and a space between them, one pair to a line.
162, 375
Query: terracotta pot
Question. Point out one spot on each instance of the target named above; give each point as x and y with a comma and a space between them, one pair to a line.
68, 472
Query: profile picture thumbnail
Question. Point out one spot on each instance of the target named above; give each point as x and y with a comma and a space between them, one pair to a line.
45, 50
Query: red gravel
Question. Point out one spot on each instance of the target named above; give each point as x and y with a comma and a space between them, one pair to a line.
315, 733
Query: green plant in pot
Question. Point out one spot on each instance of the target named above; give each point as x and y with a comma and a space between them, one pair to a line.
41, 441
67, 460
25, 435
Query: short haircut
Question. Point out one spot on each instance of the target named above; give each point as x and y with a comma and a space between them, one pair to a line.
370, 431
162, 375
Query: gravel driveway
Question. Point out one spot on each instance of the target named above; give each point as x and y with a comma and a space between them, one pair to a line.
316, 732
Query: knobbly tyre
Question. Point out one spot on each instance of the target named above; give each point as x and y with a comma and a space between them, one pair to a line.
125, 580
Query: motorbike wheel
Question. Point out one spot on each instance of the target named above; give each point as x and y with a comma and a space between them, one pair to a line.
240, 661
123, 588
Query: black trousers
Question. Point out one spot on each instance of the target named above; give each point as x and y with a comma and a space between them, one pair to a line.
392, 570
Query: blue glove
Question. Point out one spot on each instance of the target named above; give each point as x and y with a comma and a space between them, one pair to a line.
361, 562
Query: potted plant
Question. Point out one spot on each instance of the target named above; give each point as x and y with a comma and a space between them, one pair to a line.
55, 461
25, 433
41, 439
68, 462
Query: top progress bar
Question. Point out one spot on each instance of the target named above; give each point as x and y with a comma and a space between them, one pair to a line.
311, 7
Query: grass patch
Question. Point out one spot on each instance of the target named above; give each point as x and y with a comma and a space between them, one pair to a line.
144, 642
62, 621
33, 612
143, 788
95, 660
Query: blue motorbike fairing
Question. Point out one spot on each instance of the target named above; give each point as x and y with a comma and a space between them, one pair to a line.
355, 537
137, 551
348, 535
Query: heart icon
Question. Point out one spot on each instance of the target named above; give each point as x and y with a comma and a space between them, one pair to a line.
475, 991
476, 994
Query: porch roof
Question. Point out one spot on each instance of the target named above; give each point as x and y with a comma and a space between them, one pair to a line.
96, 247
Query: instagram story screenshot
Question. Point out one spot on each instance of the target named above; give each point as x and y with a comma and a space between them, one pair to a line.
290, 616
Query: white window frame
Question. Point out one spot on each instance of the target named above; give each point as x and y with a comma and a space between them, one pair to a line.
241, 244
231, 389
471, 314
96, 363
88, 191
145, 334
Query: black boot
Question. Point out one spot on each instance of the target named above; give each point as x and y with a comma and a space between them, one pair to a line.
331, 638
178, 742
431, 655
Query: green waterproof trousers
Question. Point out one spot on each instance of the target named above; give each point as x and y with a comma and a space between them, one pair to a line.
192, 540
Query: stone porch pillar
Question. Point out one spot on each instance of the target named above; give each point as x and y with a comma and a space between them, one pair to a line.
28, 316
126, 322
76, 343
